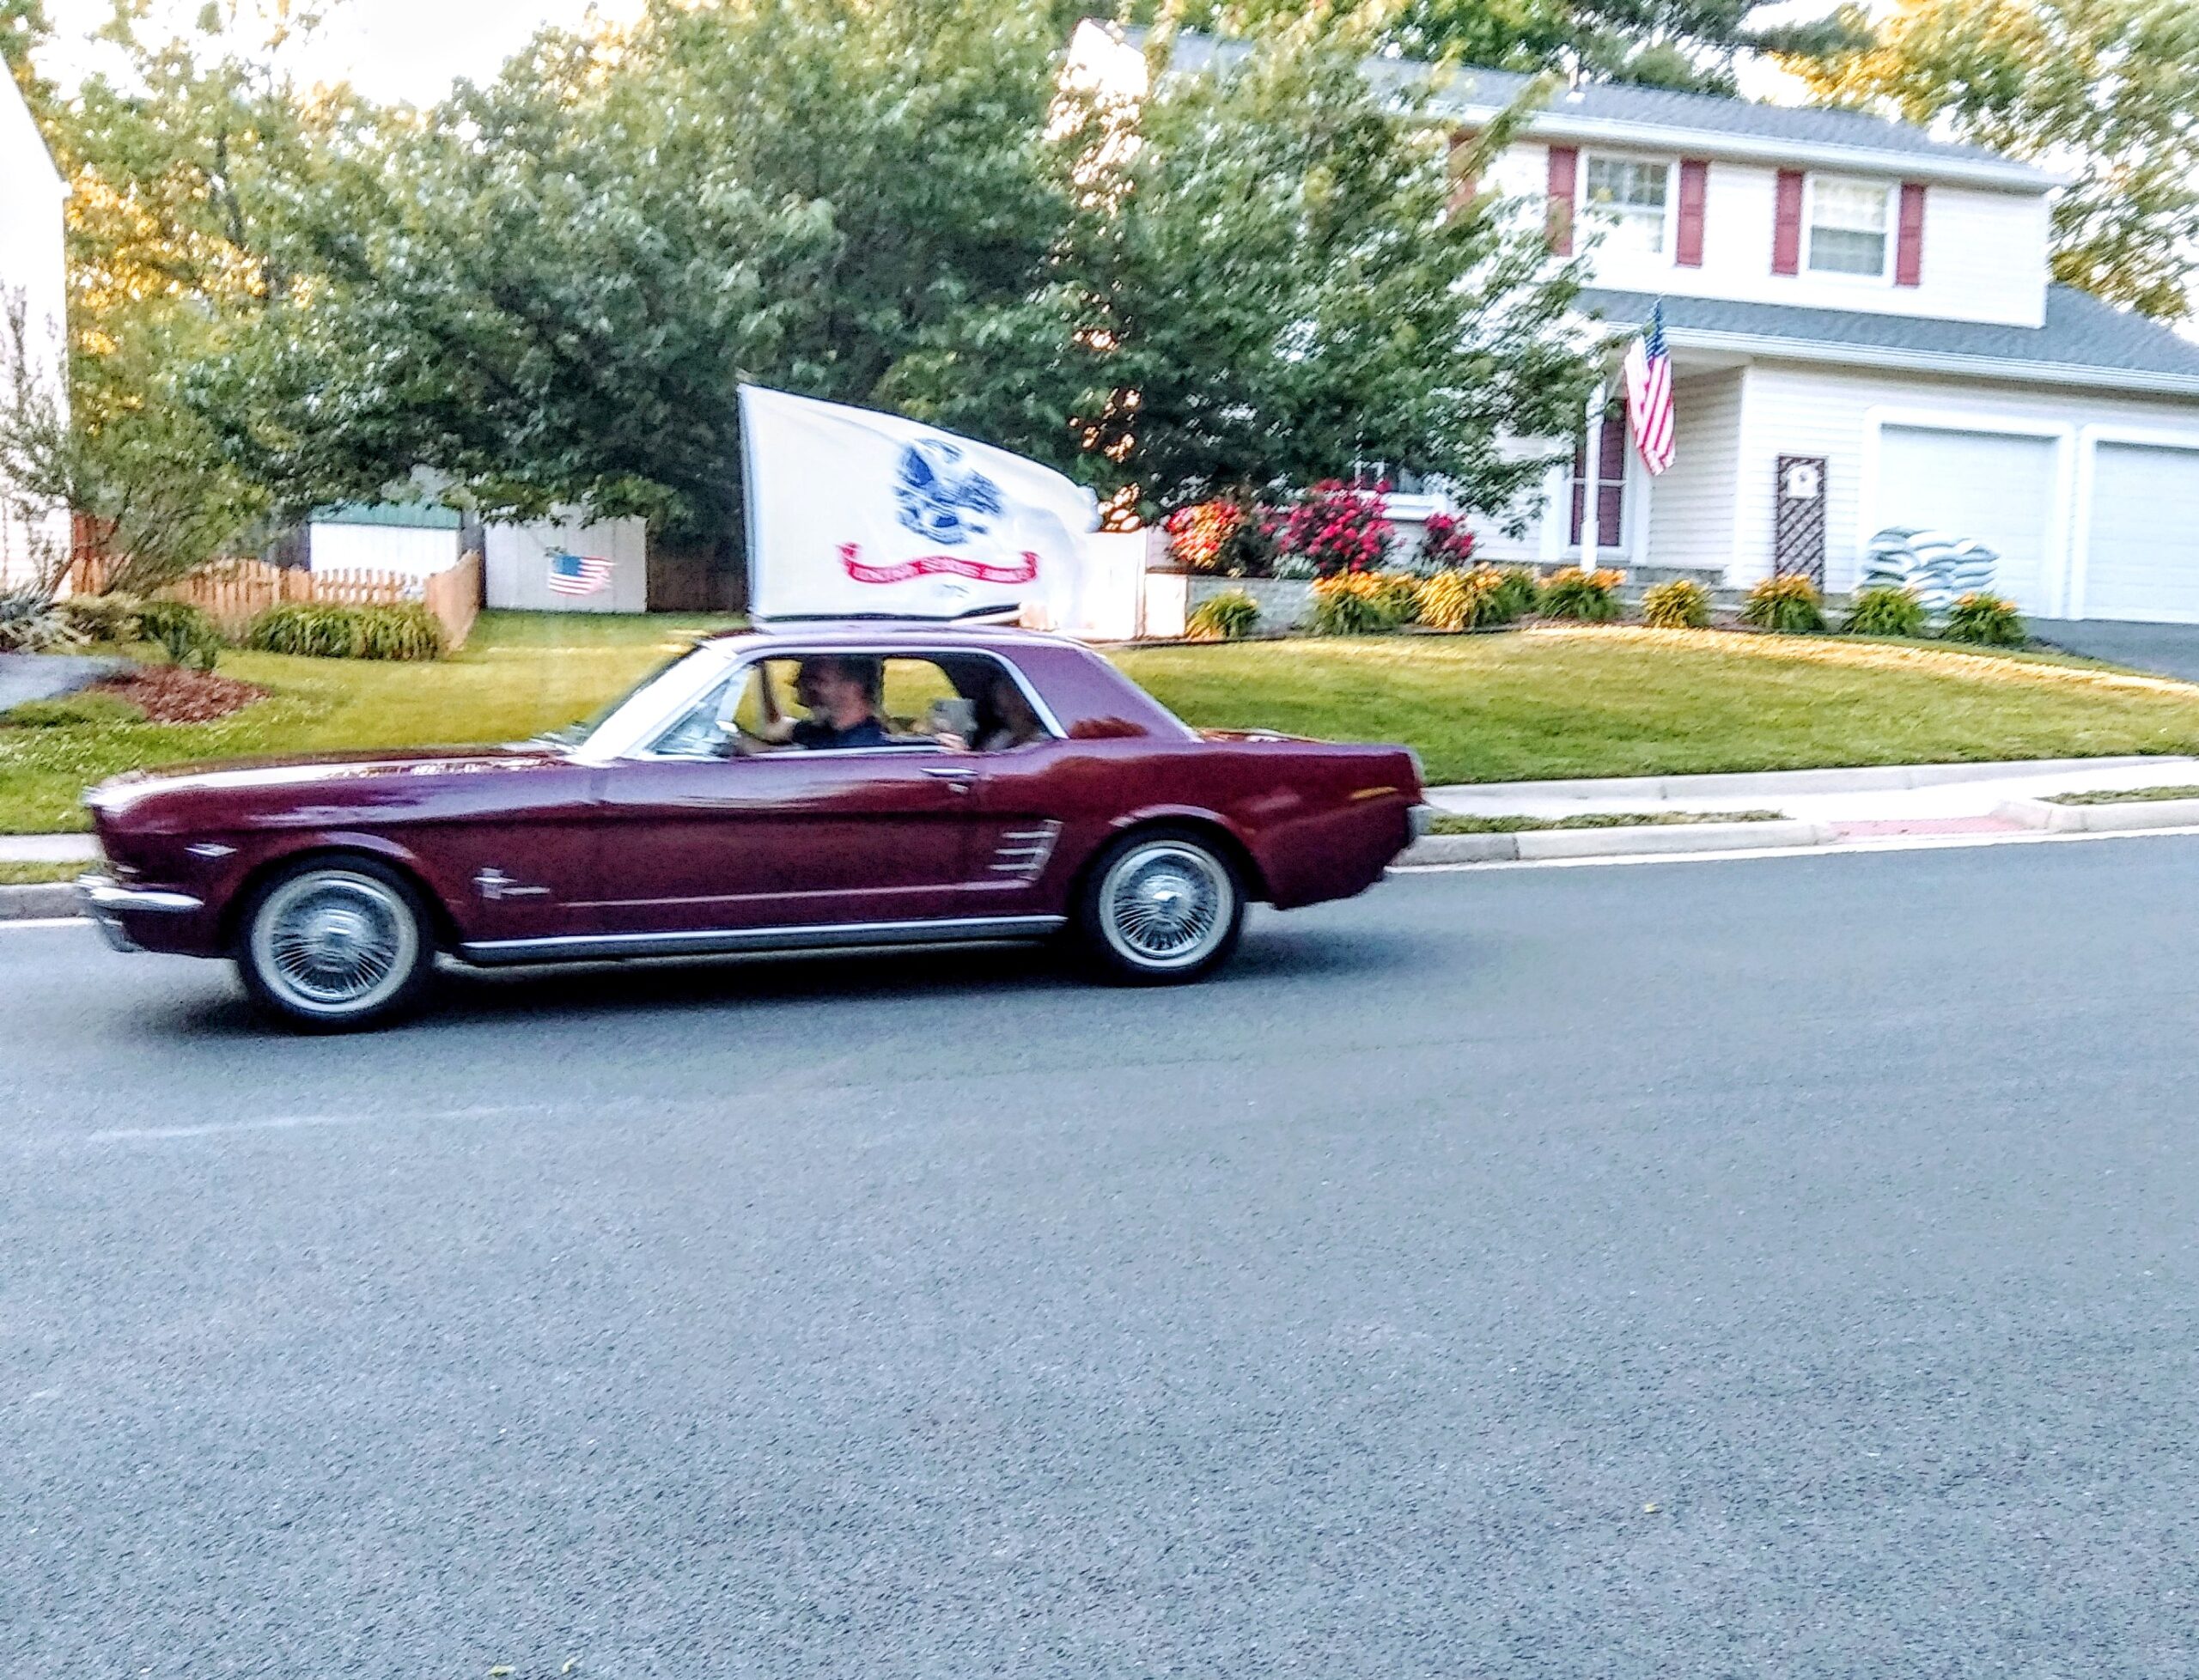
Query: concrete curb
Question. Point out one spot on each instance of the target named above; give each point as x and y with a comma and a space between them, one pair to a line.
2122, 816
34, 904
1531, 845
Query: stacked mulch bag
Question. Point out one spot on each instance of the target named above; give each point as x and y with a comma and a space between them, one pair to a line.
1937, 569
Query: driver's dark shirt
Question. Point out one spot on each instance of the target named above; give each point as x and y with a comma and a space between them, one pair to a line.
814, 732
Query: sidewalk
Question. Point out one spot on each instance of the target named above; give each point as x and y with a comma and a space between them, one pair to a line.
1853, 804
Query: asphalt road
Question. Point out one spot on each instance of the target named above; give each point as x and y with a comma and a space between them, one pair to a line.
1766, 1266
2172, 650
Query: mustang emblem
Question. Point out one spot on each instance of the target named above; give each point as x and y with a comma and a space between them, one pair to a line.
495, 886
941, 497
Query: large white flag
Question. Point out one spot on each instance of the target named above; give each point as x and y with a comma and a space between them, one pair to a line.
855, 513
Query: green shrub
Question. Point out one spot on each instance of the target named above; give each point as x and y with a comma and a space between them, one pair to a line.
315, 630
183, 632
1359, 604
1987, 620
1790, 605
1223, 617
1475, 599
70, 710
1590, 596
31, 624
409, 631
1519, 592
115, 618
1884, 609
1681, 604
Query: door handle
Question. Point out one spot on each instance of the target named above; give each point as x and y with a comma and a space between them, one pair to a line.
953, 775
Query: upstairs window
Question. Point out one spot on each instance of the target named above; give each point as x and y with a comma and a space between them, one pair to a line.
1849, 222
1628, 196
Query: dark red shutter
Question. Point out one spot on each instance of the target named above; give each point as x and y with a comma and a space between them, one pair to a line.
1564, 165
1465, 184
1787, 225
1695, 180
1908, 255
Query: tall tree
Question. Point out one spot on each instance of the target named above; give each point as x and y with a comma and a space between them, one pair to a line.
1272, 278
2105, 89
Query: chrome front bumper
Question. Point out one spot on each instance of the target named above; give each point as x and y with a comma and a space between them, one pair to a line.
105, 900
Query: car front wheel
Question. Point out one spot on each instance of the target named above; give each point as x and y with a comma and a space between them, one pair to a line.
331, 945
1161, 907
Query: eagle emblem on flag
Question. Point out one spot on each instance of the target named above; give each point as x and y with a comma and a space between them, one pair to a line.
941, 497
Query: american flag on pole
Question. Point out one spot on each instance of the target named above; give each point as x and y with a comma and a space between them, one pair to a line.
578, 574
1649, 394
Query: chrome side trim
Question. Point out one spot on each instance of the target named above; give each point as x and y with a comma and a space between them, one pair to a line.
584, 947
100, 892
1024, 852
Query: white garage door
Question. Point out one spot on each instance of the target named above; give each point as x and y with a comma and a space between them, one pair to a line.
2143, 558
1997, 488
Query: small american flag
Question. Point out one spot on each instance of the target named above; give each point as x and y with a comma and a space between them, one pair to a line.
578, 574
1649, 394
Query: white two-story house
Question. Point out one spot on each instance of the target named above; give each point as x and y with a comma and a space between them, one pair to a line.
34, 283
1863, 335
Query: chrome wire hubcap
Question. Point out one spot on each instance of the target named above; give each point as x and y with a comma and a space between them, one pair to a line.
1167, 905
334, 943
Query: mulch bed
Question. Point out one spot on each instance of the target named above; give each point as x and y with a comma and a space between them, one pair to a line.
171, 694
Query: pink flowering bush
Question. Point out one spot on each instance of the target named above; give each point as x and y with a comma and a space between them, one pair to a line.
1445, 545
1333, 529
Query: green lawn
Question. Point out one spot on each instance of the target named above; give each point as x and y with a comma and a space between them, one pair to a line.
1544, 703
520, 674
1478, 708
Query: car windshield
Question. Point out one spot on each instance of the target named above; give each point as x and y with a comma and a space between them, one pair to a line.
575, 734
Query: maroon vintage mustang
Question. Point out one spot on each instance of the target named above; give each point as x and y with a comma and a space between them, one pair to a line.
846, 785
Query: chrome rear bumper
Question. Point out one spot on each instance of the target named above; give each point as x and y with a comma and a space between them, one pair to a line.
1423, 820
105, 900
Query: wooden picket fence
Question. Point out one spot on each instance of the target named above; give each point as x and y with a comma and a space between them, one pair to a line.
234, 592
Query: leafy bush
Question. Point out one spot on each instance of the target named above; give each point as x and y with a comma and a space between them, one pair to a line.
1884, 609
70, 710
1473, 600
1679, 604
1788, 605
1223, 617
1336, 528
31, 624
1519, 592
408, 631
182, 631
115, 618
1987, 620
1592, 597
1199, 535
1359, 604
315, 631
1445, 545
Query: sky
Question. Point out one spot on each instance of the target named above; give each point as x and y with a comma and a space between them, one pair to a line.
410, 50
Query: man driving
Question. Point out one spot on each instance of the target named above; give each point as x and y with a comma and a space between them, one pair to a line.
841, 692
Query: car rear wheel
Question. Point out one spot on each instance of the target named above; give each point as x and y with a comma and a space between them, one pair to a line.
331, 945
1160, 907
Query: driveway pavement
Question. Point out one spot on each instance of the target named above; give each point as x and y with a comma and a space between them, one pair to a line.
1750, 1268
2168, 650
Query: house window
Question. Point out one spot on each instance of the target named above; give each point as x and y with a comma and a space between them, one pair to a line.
1848, 227
1628, 197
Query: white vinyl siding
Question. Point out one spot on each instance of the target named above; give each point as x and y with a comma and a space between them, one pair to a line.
1628, 201
1691, 503
2141, 546
1985, 252
1848, 227
33, 275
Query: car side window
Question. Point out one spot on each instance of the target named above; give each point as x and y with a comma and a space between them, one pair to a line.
838, 701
